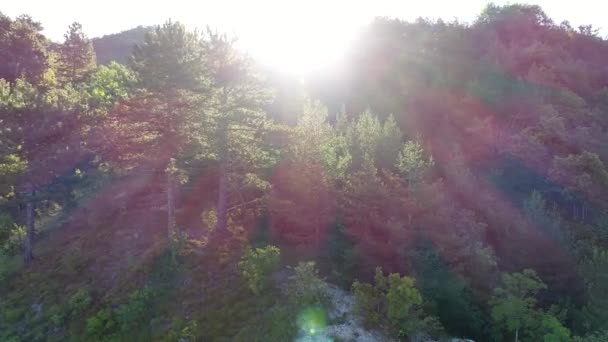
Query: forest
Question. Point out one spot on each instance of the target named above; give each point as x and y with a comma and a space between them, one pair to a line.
447, 182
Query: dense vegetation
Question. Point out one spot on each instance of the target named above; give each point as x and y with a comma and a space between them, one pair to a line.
451, 176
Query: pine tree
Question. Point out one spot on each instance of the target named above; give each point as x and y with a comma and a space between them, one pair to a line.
150, 130
77, 57
235, 122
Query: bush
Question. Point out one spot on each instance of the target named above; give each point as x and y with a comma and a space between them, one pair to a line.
8, 267
102, 324
305, 286
395, 302
79, 302
275, 324
136, 311
11, 235
182, 331
57, 316
257, 264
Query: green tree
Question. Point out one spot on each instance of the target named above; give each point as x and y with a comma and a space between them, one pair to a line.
235, 122
42, 133
302, 197
257, 265
23, 49
595, 271
393, 300
77, 57
514, 303
154, 128
412, 163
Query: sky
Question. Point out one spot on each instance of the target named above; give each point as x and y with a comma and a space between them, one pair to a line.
297, 36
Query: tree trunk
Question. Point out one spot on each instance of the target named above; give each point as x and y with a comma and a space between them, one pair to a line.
583, 213
28, 255
170, 206
222, 201
516, 334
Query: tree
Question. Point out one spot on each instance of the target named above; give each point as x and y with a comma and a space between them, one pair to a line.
393, 300
302, 197
256, 266
412, 163
161, 121
42, 131
77, 57
583, 173
23, 49
235, 122
377, 215
595, 271
107, 86
514, 303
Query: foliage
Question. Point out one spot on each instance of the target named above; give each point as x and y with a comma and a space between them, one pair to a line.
136, 310
392, 300
77, 58
514, 309
257, 265
449, 296
596, 337
486, 141
411, 162
79, 302
7, 268
595, 312
11, 236
305, 286
23, 48
101, 324
182, 330
278, 323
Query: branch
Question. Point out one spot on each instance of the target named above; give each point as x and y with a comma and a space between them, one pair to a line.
243, 204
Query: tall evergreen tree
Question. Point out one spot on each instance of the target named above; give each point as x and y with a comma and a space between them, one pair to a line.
150, 130
77, 57
235, 122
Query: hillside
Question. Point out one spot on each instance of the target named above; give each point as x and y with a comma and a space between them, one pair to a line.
118, 46
446, 182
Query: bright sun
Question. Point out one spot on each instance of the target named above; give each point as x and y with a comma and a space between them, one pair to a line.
301, 50
301, 39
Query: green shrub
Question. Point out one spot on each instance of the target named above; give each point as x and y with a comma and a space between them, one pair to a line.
102, 324
108, 324
275, 324
182, 331
57, 315
8, 267
257, 264
11, 235
136, 311
305, 286
79, 302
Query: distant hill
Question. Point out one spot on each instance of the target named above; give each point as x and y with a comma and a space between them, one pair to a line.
118, 46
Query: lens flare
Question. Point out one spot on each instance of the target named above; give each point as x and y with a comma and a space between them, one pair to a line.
312, 322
